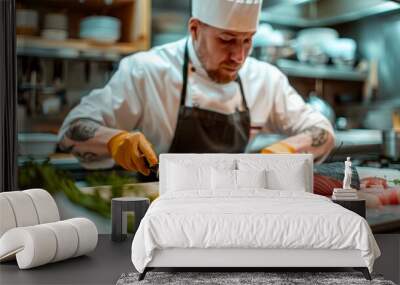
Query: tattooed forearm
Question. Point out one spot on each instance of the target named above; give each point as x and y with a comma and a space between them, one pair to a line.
64, 147
318, 136
82, 130
83, 156
87, 156
77, 140
87, 140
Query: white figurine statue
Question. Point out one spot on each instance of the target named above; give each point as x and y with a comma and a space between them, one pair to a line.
346, 192
347, 174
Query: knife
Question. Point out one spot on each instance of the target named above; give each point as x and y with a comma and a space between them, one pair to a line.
153, 168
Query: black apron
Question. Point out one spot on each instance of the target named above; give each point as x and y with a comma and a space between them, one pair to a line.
204, 131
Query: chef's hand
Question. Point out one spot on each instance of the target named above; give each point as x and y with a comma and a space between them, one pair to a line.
130, 151
279, 147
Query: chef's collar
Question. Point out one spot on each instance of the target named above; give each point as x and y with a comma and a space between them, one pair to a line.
194, 60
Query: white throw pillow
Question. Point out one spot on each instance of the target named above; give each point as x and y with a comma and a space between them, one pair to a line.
226, 179
182, 177
251, 178
281, 180
282, 174
223, 179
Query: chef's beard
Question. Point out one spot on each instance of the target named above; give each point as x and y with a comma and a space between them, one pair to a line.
216, 75
220, 77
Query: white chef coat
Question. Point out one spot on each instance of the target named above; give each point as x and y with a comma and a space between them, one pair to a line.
144, 95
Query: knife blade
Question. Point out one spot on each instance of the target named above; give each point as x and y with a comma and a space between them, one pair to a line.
152, 168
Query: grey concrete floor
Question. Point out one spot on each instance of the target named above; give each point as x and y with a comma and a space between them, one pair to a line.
110, 260
102, 266
389, 263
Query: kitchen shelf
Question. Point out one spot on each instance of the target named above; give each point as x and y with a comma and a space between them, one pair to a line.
82, 4
297, 69
324, 13
76, 48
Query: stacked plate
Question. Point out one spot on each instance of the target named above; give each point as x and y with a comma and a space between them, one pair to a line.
310, 44
55, 27
317, 45
27, 22
342, 51
101, 29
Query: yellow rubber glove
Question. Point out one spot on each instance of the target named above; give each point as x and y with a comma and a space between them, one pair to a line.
279, 147
130, 151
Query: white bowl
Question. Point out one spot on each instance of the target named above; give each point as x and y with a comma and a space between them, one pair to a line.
53, 34
310, 44
100, 35
343, 48
267, 36
316, 35
100, 22
342, 51
101, 29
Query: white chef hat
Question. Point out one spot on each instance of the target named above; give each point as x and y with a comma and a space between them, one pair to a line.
234, 15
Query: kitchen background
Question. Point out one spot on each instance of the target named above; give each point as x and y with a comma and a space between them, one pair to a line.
342, 57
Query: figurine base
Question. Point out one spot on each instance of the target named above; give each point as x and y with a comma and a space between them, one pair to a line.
344, 194
342, 190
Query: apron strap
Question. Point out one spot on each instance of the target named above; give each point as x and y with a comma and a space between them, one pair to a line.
185, 74
185, 79
239, 81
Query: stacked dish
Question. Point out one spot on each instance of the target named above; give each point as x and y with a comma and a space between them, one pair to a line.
317, 45
310, 44
103, 29
342, 51
27, 22
55, 27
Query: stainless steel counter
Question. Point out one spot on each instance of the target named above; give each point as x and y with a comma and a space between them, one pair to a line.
365, 144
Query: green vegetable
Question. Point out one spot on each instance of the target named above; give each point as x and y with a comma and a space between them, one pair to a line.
396, 181
39, 175
43, 175
116, 181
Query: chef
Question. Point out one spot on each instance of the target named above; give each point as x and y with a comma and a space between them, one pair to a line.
202, 94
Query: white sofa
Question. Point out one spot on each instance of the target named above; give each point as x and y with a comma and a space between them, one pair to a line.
31, 231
